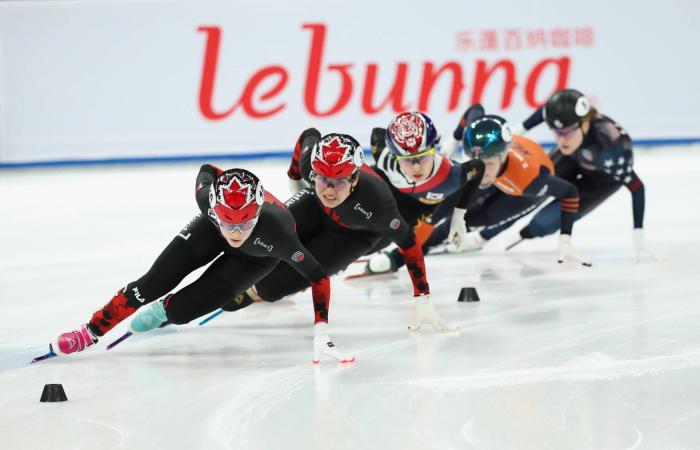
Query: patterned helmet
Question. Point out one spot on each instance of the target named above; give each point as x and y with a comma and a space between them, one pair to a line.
411, 133
565, 108
486, 137
337, 155
236, 196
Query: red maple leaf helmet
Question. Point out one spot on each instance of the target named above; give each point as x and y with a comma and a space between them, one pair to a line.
337, 155
236, 196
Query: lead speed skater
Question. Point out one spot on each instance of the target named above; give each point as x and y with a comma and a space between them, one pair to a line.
243, 231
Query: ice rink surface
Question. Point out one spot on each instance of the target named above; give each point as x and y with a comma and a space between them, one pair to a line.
553, 357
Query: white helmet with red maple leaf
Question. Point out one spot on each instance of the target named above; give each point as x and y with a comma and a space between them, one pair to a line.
236, 196
337, 155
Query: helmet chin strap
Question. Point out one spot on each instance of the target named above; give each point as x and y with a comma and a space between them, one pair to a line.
583, 134
354, 181
502, 157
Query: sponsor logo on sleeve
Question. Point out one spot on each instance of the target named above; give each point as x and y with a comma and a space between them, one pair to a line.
367, 214
267, 247
298, 257
395, 224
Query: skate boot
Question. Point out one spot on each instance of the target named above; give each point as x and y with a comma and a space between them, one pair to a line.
149, 318
380, 263
74, 341
307, 139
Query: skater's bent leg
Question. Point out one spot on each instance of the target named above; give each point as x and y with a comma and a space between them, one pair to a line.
545, 222
548, 220
500, 212
196, 245
224, 280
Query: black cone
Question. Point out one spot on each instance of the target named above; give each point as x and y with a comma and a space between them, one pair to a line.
468, 294
53, 393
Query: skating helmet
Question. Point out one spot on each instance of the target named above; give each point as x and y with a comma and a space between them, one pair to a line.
337, 155
486, 137
411, 134
565, 108
236, 196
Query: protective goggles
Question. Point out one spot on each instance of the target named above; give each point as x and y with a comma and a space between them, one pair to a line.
421, 158
338, 184
231, 227
566, 132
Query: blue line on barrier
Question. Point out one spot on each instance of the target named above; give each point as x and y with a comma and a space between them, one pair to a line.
649, 142
146, 160
253, 156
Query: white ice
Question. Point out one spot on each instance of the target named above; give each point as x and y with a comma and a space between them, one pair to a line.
553, 357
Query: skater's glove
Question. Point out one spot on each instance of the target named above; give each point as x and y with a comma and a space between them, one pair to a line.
471, 242
641, 248
296, 185
457, 236
426, 313
211, 169
323, 345
377, 141
567, 252
518, 129
472, 113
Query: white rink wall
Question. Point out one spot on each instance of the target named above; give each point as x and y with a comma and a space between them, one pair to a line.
99, 80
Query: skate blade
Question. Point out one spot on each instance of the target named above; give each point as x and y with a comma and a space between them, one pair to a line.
118, 341
358, 275
50, 354
360, 261
346, 360
514, 244
343, 359
213, 315
368, 274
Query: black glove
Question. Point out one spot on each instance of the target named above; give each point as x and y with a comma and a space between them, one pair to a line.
306, 140
526, 233
205, 178
211, 170
309, 138
377, 141
472, 113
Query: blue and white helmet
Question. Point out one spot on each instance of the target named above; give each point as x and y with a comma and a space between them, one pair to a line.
411, 134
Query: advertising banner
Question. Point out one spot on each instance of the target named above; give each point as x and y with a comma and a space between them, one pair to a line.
160, 79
